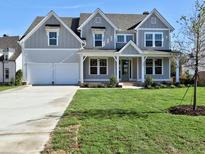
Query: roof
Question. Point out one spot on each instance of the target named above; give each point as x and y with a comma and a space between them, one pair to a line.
11, 42
124, 22
69, 21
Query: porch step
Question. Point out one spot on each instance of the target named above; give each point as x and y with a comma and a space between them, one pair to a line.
129, 83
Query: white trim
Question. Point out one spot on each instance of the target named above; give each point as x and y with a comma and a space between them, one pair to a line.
154, 11
98, 65
137, 68
125, 37
102, 32
133, 44
96, 80
50, 14
169, 68
92, 15
36, 49
57, 37
153, 39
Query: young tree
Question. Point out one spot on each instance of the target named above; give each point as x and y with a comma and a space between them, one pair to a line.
191, 41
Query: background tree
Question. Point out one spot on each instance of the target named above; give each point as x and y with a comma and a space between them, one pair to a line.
191, 41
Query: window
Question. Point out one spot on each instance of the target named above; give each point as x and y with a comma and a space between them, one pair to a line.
149, 40
98, 40
153, 39
103, 66
53, 38
98, 66
98, 20
129, 37
158, 66
124, 38
158, 40
6, 57
6, 73
93, 66
153, 20
120, 39
149, 66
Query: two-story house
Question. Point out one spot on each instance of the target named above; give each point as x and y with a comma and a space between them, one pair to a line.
10, 58
96, 46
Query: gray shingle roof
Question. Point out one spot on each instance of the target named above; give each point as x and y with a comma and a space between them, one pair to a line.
11, 42
124, 22
69, 21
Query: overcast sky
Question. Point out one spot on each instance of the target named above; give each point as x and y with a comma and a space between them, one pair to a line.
17, 15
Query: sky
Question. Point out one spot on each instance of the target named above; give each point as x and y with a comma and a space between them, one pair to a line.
17, 15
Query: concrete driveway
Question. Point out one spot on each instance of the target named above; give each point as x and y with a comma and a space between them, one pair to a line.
28, 115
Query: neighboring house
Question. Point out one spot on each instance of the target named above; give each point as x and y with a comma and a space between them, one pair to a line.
10, 61
96, 46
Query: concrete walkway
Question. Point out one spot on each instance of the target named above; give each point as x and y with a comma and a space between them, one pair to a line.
28, 115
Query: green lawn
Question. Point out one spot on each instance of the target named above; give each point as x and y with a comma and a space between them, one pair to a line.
129, 122
6, 87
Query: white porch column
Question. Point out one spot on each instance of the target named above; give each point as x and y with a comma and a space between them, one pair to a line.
142, 63
118, 77
81, 68
177, 69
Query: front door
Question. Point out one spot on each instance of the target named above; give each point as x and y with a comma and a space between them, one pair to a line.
125, 70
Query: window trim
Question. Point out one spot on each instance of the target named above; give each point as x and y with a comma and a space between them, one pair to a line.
153, 39
57, 33
153, 66
98, 65
125, 38
98, 32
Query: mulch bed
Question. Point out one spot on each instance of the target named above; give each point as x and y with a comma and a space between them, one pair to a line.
187, 110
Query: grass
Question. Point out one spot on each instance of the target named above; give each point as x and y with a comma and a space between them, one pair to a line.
129, 121
6, 87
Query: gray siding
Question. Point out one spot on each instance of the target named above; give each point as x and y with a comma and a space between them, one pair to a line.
130, 50
166, 42
110, 70
148, 24
40, 39
165, 70
108, 35
134, 68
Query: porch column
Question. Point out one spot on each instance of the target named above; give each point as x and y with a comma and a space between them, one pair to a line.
117, 60
81, 69
142, 63
177, 69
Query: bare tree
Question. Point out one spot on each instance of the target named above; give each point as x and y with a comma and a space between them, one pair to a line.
191, 41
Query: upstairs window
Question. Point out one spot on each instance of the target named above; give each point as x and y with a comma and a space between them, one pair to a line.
52, 38
124, 38
153, 39
98, 40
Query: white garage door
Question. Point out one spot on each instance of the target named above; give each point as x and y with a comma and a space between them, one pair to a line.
66, 73
57, 73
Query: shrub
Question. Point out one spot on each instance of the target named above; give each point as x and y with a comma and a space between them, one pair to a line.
181, 86
19, 77
113, 81
148, 81
172, 86
163, 86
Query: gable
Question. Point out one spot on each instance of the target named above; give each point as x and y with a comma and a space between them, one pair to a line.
39, 39
148, 23
98, 11
51, 18
130, 50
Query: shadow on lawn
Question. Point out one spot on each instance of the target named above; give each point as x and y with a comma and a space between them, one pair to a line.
111, 113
